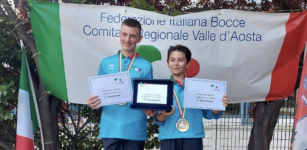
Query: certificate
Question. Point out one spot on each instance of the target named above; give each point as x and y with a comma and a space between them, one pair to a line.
111, 88
152, 93
204, 94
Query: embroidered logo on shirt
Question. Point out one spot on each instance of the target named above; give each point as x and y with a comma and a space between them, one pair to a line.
111, 66
139, 70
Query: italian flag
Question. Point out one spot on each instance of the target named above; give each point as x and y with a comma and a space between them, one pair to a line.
27, 122
299, 132
257, 54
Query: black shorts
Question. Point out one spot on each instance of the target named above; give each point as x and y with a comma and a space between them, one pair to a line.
182, 144
122, 144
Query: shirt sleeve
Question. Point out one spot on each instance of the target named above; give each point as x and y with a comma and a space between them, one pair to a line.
101, 69
208, 114
149, 73
156, 120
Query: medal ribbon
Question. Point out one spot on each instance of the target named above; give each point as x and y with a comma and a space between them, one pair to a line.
181, 110
120, 62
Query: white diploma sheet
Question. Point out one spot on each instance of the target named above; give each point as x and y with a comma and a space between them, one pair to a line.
152, 93
112, 88
204, 94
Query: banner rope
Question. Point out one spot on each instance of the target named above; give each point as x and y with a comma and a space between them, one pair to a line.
36, 54
44, 93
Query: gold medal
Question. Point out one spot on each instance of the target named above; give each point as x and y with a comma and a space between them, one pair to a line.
122, 104
182, 125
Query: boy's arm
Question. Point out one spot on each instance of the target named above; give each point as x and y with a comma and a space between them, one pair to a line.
209, 114
94, 100
225, 103
156, 121
149, 73
101, 69
163, 115
216, 112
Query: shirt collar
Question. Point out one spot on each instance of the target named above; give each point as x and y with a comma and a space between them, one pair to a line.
176, 81
131, 56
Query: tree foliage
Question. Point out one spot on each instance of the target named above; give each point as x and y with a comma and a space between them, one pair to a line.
79, 127
9, 80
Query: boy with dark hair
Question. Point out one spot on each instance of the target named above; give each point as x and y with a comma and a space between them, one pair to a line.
132, 23
171, 134
121, 127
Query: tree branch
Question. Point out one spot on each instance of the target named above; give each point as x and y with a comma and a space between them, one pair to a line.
85, 123
2, 145
65, 127
29, 41
71, 117
88, 133
78, 122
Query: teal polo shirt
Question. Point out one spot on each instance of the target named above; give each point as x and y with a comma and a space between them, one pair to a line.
121, 121
167, 128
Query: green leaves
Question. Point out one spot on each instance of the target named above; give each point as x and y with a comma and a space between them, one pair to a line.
142, 4
5, 114
152, 130
3, 90
171, 10
9, 69
1, 113
11, 83
176, 13
4, 93
77, 1
172, 5
7, 90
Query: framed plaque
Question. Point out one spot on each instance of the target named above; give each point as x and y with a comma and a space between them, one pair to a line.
154, 94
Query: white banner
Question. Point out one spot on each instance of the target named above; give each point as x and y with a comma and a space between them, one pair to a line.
255, 53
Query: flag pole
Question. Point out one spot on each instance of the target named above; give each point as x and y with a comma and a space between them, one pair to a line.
34, 99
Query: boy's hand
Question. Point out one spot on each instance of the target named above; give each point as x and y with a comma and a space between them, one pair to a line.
94, 102
168, 113
150, 113
163, 115
225, 100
